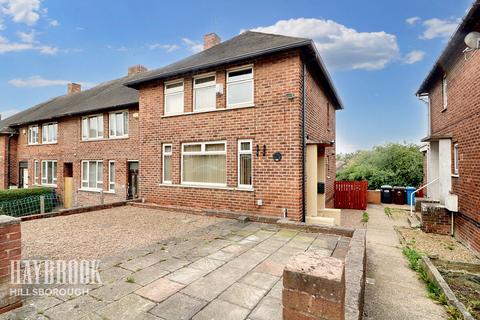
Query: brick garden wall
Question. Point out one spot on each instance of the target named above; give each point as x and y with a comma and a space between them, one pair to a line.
71, 148
461, 120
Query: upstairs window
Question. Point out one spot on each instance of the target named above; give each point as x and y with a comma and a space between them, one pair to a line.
92, 175
204, 163
455, 159
240, 87
174, 97
204, 94
445, 92
49, 133
92, 127
33, 135
49, 172
118, 124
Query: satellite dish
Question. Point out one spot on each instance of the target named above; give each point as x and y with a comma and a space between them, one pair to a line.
473, 40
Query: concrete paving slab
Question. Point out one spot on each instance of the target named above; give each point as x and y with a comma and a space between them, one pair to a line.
178, 307
149, 274
74, 309
173, 264
113, 274
160, 289
186, 275
207, 264
129, 307
260, 280
114, 291
221, 310
243, 295
268, 309
137, 264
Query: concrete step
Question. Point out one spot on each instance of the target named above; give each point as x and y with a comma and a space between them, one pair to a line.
323, 221
414, 222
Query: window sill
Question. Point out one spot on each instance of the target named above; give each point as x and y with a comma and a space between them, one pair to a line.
47, 143
205, 187
117, 138
32, 144
444, 109
207, 111
47, 185
455, 175
90, 190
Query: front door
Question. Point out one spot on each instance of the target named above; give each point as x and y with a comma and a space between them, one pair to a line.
23, 176
132, 180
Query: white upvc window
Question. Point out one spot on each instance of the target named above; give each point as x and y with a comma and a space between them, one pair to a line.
118, 124
92, 175
92, 127
204, 163
445, 91
204, 92
245, 164
49, 172
174, 97
33, 134
240, 87
167, 164
36, 170
49, 133
111, 175
455, 159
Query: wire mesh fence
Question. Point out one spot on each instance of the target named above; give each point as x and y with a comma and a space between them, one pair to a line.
30, 205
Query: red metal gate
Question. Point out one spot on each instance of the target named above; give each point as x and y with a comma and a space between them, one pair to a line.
351, 194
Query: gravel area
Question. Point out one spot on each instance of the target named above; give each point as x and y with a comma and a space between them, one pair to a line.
442, 246
104, 233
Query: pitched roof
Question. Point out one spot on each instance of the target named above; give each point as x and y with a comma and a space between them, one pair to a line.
107, 95
454, 47
244, 46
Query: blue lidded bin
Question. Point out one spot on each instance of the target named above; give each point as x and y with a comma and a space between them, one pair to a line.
410, 200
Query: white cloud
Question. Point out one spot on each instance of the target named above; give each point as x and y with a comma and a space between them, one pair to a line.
48, 50
438, 28
37, 81
341, 47
28, 37
414, 57
166, 47
193, 46
54, 23
23, 11
413, 20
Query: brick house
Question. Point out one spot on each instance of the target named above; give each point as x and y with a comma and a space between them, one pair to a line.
452, 93
245, 126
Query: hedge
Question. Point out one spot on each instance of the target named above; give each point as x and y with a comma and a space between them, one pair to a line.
16, 194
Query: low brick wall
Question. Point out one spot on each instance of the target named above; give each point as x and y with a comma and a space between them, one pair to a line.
419, 201
10, 250
327, 288
436, 219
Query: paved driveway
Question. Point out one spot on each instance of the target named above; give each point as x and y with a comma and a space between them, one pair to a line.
225, 271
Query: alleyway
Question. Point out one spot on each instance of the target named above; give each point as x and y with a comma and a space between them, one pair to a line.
393, 290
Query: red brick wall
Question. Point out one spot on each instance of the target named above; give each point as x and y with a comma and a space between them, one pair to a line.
275, 121
461, 119
71, 148
320, 126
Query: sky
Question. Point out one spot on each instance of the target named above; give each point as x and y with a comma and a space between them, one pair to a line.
376, 51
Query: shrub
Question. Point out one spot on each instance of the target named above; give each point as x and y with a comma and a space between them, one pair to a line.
22, 202
15, 194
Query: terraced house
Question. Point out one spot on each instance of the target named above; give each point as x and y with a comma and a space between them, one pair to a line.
245, 126
451, 90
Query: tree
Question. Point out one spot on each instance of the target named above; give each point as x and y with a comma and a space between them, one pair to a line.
393, 163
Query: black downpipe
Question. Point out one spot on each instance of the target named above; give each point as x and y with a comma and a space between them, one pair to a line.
304, 142
8, 160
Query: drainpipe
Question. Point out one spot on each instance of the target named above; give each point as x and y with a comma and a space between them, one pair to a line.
304, 142
8, 160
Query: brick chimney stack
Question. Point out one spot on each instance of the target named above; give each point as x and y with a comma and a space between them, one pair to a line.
210, 40
136, 69
74, 88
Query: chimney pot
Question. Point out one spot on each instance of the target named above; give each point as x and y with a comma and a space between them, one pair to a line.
74, 88
136, 69
210, 40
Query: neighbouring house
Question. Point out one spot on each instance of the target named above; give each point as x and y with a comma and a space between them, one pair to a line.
246, 126
452, 93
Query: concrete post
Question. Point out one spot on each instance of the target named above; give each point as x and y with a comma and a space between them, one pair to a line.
42, 204
10, 251
102, 197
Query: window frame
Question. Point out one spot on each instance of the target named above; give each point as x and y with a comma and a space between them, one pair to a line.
164, 153
88, 175
444, 92
47, 125
124, 135
36, 169
45, 171
110, 182
165, 94
240, 152
455, 160
200, 86
28, 136
203, 152
98, 115
228, 82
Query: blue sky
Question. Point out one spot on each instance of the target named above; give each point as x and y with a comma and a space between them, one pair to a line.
377, 51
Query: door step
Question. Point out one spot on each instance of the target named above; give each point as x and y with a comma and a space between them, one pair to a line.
414, 222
